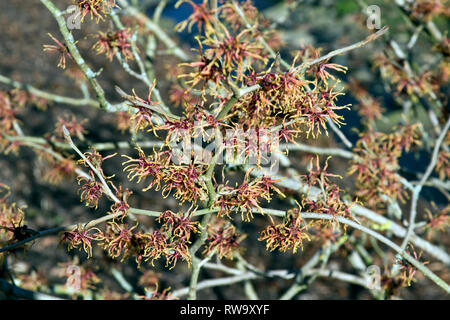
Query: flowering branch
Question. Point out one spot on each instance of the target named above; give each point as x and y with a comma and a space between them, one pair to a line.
70, 43
234, 83
418, 187
358, 210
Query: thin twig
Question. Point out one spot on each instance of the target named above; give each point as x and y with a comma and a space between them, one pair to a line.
305, 65
418, 188
156, 29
